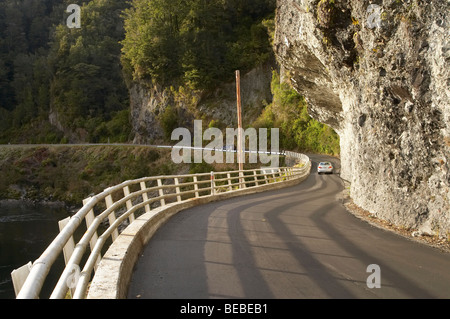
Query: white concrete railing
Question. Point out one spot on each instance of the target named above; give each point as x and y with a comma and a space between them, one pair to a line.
117, 207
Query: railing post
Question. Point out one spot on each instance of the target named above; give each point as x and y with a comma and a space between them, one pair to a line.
112, 216
213, 190
89, 220
242, 183
19, 276
126, 192
229, 182
265, 176
145, 197
70, 245
196, 186
256, 178
177, 189
161, 193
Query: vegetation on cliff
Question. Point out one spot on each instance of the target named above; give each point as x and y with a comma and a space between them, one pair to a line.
59, 84
298, 131
196, 43
72, 173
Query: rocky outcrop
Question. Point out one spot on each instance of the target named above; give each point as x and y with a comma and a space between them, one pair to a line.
148, 102
378, 72
73, 136
145, 105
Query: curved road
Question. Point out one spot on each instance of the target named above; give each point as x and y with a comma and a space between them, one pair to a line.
298, 242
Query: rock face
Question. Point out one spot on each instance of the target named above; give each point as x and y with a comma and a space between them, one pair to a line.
148, 102
378, 72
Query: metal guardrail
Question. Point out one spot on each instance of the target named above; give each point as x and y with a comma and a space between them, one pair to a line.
115, 208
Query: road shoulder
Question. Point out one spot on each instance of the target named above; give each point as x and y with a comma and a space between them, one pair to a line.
411, 234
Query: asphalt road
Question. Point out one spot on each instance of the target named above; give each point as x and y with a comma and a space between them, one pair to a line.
294, 243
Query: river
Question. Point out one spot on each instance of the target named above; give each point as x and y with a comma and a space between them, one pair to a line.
26, 229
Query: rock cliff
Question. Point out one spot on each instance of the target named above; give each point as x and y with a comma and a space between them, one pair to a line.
378, 72
149, 102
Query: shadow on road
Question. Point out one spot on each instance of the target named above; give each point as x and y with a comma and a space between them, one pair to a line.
298, 242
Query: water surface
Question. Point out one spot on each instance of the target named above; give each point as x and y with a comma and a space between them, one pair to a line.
26, 229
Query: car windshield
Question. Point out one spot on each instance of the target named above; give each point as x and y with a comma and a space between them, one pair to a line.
324, 163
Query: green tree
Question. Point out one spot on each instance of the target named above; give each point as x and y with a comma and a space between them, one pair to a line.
88, 83
298, 130
169, 121
197, 43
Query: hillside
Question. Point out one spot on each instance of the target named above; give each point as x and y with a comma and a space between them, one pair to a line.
59, 84
136, 70
71, 173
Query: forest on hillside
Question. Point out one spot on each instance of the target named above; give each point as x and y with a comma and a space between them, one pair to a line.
196, 43
73, 74
62, 85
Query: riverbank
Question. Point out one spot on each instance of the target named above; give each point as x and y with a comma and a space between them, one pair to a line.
26, 229
69, 174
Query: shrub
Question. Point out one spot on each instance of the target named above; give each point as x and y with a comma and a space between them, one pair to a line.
298, 130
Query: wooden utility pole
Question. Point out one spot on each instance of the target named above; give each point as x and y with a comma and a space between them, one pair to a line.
239, 116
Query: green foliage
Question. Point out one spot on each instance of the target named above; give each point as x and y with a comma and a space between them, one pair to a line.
24, 76
70, 174
198, 168
189, 45
76, 71
88, 85
169, 121
117, 130
34, 132
196, 43
298, 130
77, 75
214, 124
269, 24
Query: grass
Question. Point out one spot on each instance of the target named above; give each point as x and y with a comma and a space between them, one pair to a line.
70, 174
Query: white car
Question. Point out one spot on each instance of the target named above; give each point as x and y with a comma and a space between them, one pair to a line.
325, 167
